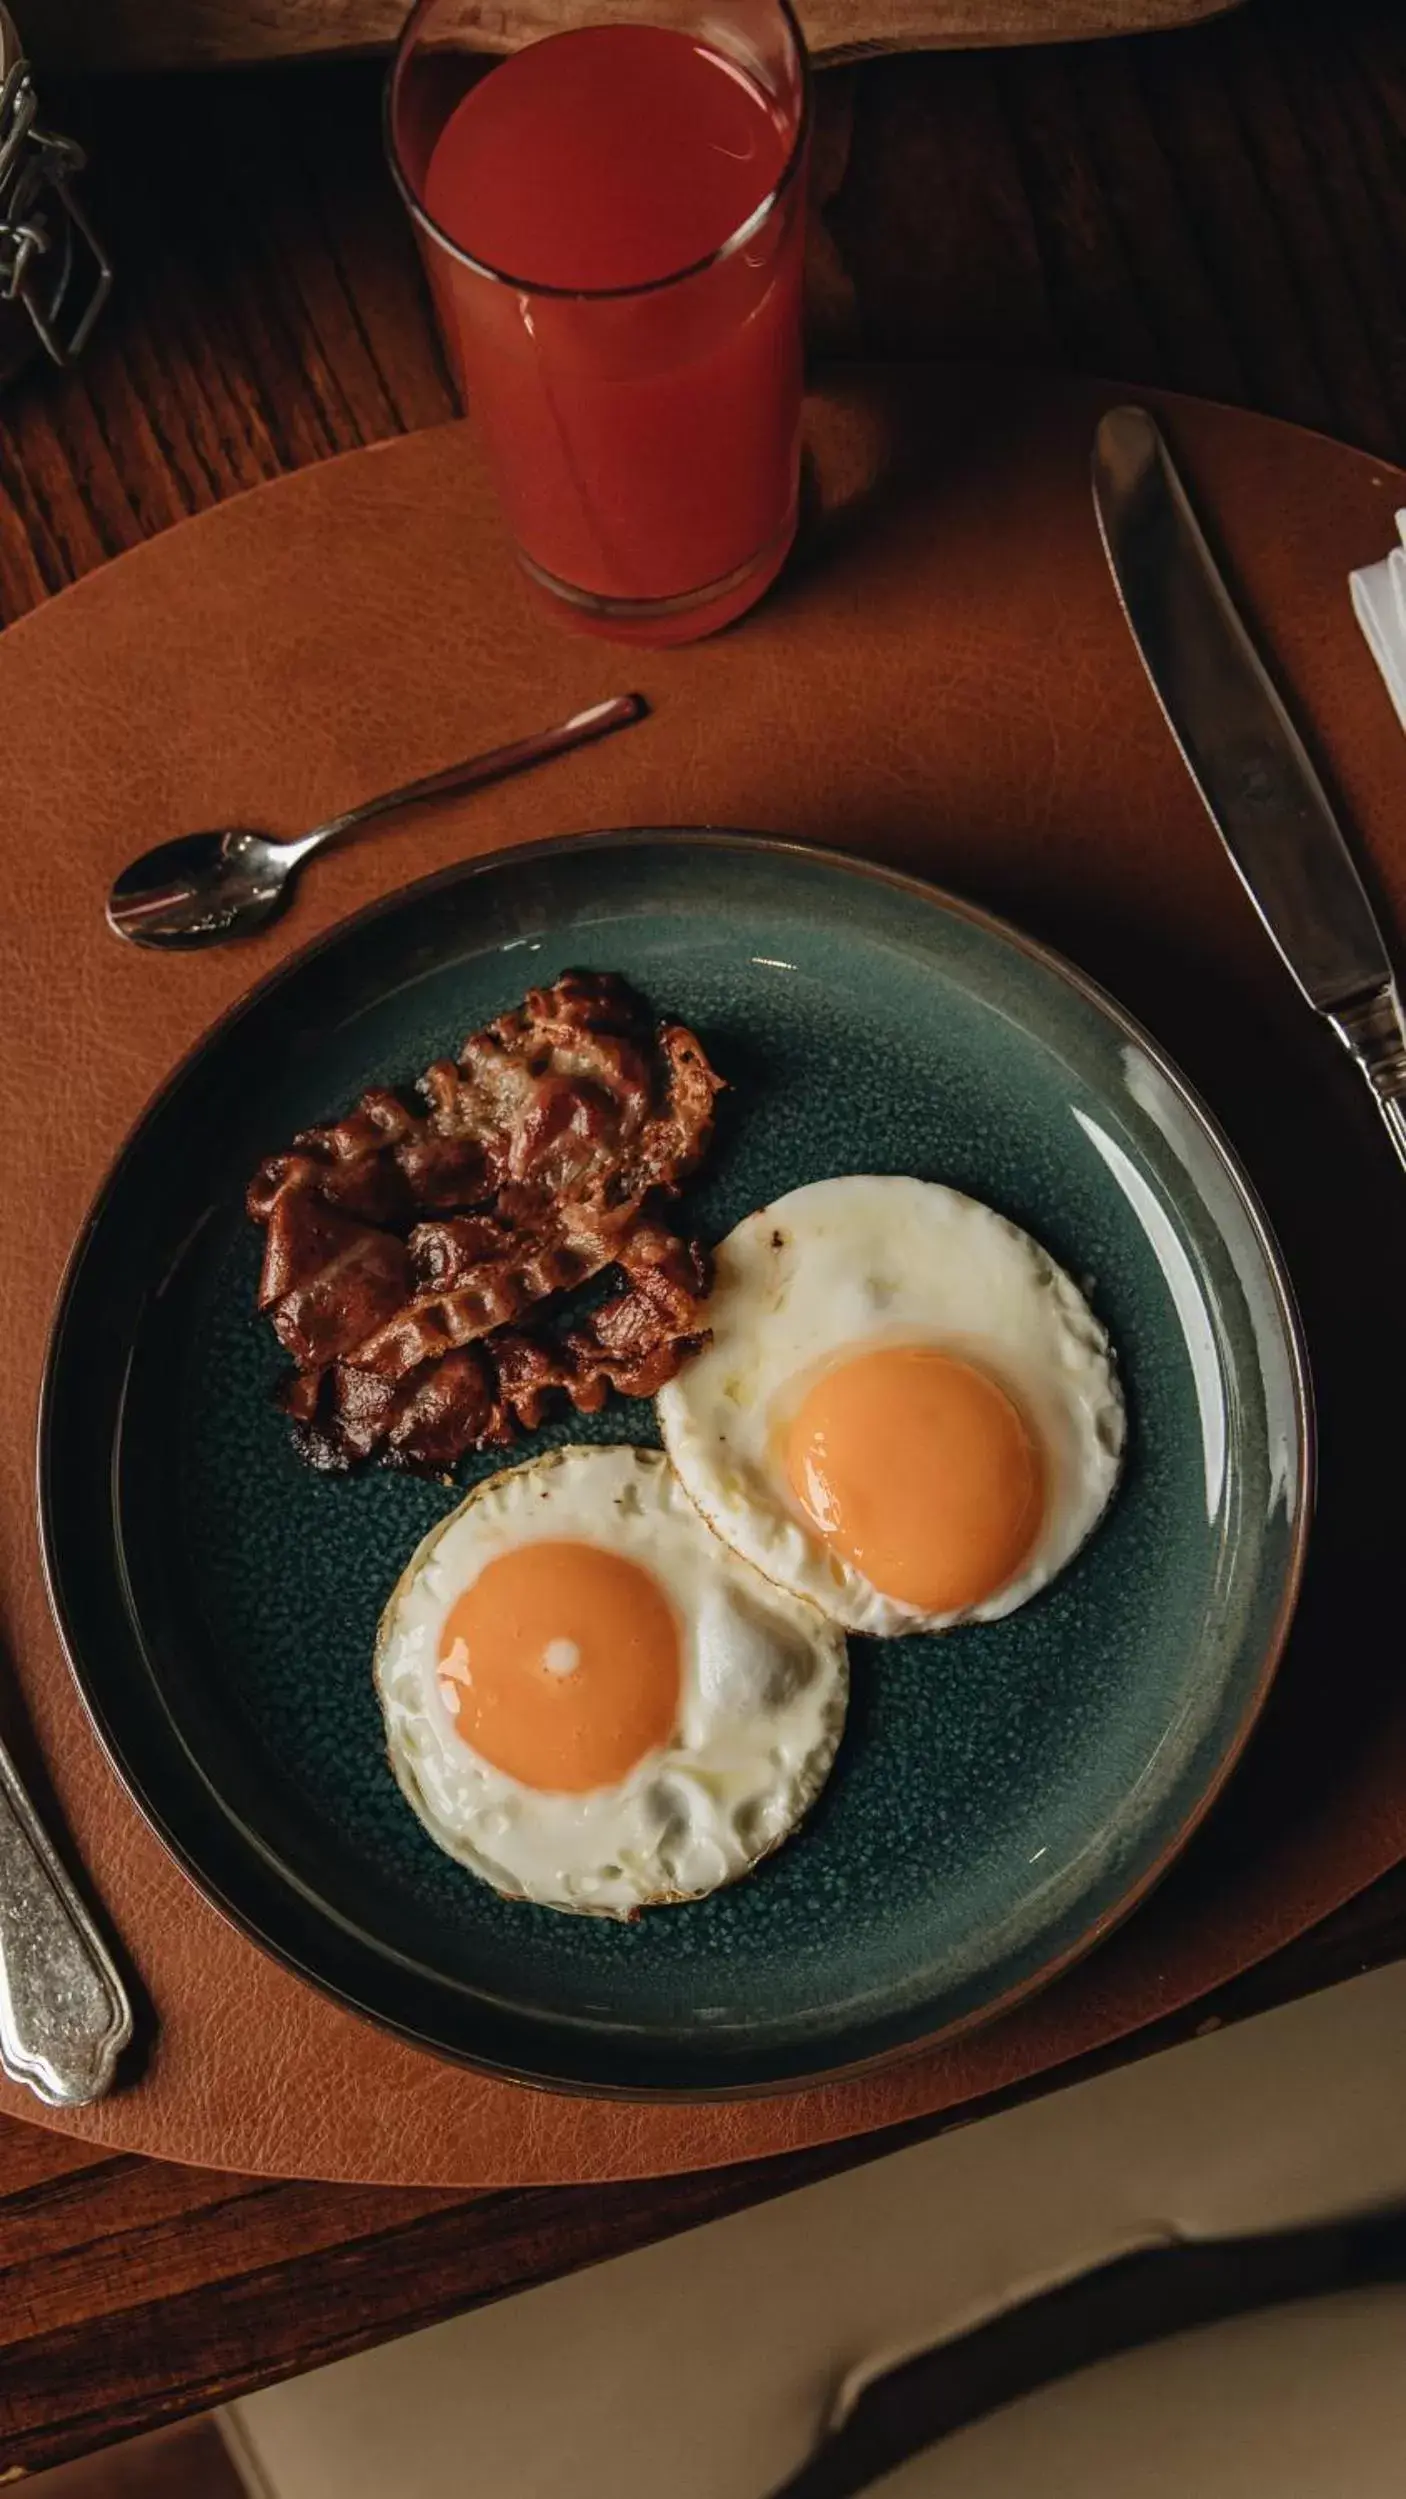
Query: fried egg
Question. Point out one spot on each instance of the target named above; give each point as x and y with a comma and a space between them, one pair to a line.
593, 1703
907, 1412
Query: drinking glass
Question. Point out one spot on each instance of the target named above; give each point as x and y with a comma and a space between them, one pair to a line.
641, 422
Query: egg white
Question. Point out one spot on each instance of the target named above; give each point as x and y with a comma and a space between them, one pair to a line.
850, 1264
764, 1684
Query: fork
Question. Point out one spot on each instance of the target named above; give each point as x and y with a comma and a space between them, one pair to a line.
64, 2013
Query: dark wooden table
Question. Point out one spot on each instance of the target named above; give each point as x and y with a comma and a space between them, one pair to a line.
1223, 211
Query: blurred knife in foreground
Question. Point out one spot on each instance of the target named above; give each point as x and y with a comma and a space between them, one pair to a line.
1245, 755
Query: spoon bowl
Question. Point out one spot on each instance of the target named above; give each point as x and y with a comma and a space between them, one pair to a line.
201, 888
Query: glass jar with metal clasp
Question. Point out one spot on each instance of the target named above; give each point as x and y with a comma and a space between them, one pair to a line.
54, 274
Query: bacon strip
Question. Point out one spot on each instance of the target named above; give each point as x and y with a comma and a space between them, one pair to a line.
408, 1254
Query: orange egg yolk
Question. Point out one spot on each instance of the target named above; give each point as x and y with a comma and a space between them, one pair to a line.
560, 1665
917, 1468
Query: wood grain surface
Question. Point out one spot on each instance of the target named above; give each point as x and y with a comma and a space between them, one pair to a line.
1222, 210
185, 34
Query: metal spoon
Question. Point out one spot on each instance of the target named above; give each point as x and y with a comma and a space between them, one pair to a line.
206, 887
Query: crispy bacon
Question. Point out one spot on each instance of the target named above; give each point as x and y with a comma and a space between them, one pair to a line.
408, 1255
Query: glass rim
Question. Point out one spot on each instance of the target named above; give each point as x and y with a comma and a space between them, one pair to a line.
751, 223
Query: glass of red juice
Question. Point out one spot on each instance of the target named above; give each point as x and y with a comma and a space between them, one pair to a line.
612, 216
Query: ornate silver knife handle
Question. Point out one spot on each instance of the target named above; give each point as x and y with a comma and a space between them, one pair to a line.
1373, 1029
64, 2013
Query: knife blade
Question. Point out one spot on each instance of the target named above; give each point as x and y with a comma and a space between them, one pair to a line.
1245, 756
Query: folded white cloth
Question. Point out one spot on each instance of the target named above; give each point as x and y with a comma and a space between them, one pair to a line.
1379, 603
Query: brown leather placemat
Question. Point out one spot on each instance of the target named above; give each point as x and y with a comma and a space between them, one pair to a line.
944, 681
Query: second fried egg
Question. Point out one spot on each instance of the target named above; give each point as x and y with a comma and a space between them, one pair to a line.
907, 1412
593, 1703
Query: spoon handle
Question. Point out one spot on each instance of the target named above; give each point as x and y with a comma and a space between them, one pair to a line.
64, 2014
597, 722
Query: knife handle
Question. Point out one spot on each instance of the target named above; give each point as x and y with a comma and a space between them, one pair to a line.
1373, 1029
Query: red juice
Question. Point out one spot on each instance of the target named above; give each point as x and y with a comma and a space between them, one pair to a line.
638, 386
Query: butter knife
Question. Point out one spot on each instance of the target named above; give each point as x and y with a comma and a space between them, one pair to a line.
1245, 756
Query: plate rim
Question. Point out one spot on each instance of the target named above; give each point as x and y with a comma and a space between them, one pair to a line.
933, 897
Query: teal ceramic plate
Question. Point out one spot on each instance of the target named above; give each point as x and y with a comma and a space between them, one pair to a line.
1002, 1795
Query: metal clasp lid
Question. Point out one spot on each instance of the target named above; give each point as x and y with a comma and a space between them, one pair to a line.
50, 258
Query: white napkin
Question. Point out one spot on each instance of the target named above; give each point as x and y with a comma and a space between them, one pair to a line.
1379, 603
